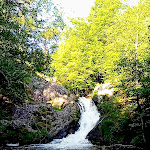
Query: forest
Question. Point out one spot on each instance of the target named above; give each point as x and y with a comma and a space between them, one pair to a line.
111, 45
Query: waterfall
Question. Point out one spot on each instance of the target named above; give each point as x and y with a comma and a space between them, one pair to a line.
89, 118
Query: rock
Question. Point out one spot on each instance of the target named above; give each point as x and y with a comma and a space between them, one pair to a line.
60, 135
49, 91
58, 102
28, 119
39, 121
97, 99
49, 117
42, 118
4, 122
119, 147
23, 115
64, 118
96, 136
104, 89
37, 95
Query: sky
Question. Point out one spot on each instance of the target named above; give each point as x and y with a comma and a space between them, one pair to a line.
75, 8
133, 2
80, 8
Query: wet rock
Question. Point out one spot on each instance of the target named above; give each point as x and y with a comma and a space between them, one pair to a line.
96, 137
119, 147
60, 135
97, 99
63, 118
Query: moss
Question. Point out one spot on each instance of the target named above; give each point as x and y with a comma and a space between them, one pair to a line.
95, 94
100, 128
41, 124
3, 136
11, 133
57, 109
30, 99
28, 137
107, 124
2, 128
137, 140
6, 112
76, 116
105, 97
43, 132
43, 109
22, 129
34, 126
48, 123
46, 113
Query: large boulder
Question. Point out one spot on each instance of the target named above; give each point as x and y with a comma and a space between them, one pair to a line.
52, 93
44, 91
104, 89
96, 137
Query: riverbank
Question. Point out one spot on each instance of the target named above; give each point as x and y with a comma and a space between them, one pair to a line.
112, 147
52, 114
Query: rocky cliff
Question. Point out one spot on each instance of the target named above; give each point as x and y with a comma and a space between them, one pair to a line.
52, 114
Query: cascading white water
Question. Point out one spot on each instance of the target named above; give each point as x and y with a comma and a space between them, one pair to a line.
88, 120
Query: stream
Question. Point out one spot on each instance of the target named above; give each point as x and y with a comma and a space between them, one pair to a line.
77, 141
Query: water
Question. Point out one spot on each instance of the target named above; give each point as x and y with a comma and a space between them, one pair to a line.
89, 118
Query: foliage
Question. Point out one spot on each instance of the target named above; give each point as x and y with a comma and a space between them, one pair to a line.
97, 46
83, 55
112, 43
20, 58
57, 109
122, 116
76, 116
95, 94
116, 119
13, 53
40, 62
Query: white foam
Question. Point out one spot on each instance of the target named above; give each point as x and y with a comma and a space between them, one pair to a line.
88, 120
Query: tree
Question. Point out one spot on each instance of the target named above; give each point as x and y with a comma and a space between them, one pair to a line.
133, 67
20, 58
45, 37
84, 52
13, 49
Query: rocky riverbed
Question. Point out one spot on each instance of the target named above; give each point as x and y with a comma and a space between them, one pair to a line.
53, 114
